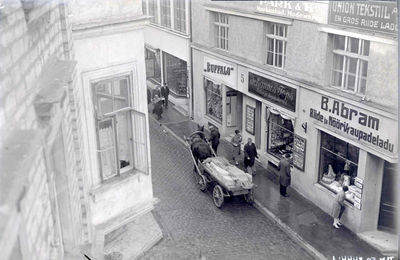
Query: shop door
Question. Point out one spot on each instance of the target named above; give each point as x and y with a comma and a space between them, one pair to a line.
231, 111
258, 124
388, 212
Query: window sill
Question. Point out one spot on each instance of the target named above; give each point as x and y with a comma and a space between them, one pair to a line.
170, 30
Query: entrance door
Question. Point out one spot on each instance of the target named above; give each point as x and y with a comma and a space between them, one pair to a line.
388, 212
258, 124
231, 111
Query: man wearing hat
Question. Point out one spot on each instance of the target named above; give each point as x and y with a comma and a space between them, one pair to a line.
214, 138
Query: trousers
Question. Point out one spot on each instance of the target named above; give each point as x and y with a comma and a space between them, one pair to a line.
283, 189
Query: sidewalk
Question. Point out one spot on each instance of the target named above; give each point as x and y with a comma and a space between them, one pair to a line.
298, 217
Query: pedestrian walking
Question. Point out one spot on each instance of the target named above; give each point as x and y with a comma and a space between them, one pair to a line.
165, 94
236, 142
284, 174
250, 154
338, 207
158, 110
214, 138
148, 96
157, 92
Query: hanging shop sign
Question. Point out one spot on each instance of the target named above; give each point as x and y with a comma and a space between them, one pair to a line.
299, 152
301, 10
371, 130
376, 16
250, 119
357, 194
221, 71
273, 91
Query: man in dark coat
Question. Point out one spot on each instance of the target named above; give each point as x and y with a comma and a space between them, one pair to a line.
284, 174
250, 154
214, 138
165, 94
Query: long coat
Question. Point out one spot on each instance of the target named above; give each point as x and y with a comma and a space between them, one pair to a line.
284, 172
214, 138
339, 201
251, 152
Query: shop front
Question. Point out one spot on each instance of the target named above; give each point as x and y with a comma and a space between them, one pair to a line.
350, 145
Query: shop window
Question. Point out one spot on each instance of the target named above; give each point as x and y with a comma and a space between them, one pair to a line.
165, 13
153, 68
350, 63
153, 11
276, 36
338, 163
180, 15
114, 126
175, 75
213, 100
221, 25
279, 134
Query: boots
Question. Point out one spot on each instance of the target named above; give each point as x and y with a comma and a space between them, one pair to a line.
336, 222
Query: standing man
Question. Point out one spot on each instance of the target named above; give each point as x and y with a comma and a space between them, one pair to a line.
163, 94
166, 93
250, 154
284, 174
214, 138
236, 142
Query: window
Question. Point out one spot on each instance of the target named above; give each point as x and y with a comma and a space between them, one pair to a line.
144, 7
153, 68
276, 44
175, 74
114, 125
279, 133
213, 100
165, 13
350, 63
338, 163
180, 15
221, 29
153, 11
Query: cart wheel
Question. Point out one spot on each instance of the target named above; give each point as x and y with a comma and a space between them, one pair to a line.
249, 197
218, 196
202, 183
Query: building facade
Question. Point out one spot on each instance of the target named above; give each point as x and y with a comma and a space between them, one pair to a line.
75, 153
167, 49
317, 80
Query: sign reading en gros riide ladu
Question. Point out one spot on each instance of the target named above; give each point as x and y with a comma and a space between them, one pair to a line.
369, 129
218, 70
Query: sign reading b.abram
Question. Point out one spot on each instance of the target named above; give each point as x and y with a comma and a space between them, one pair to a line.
221, 71
377, 16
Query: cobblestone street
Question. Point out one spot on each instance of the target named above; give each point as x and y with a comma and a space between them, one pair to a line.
193, 226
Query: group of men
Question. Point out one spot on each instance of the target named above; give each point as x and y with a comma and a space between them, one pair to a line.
160, 99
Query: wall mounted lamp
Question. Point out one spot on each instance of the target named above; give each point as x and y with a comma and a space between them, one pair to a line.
304, 125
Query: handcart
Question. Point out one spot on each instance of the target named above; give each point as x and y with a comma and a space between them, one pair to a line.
225, 179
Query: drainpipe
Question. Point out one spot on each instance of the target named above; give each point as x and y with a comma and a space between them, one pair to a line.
191, 106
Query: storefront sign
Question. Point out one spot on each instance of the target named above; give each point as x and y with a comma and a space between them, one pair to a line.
299, 152
250, 119
358, 185
301, 10
357, 205
359, 180
273, 91
357, 200
362, 126
219, 70
377, 16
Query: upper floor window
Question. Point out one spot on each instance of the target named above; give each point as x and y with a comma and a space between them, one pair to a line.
221, 24
350, 63
180, 15
144, 7
276, 37
165, 13
153, 11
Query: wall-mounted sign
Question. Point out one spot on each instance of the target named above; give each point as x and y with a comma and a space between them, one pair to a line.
299, 152
273, 91
221, 71
357, 205
364, 127
301, 10
376, 16
250, 119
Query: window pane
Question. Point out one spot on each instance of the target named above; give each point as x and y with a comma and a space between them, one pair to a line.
352, 65
338, 62
351, 82
337, 78
366, 48
124, 135
364, 68
270, 58
353, 45
338, 42
107, 148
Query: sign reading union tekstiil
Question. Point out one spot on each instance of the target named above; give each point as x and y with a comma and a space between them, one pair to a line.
377, 16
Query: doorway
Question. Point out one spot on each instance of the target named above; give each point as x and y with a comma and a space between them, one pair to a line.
388, 213
258, 124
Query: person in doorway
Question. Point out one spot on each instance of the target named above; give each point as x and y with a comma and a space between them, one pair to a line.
250, 154
214, 138
284, 174
236, 142
338, 206
164, 94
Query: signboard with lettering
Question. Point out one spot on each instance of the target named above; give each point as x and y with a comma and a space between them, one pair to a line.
273, 91
302, 10
373, 131
250, 119
224, 72
299, 152
376, 16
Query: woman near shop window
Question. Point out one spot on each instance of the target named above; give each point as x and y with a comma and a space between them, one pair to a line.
338, 206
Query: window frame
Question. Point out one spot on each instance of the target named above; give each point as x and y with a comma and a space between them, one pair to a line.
346, 54
269, 122
179, 7
221, 42
275, 37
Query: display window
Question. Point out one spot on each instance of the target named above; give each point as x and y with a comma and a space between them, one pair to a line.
213, 99
153, 68
338, 164
279, 134
175, 74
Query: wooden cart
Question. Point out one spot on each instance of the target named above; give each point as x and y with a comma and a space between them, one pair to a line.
207, 178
